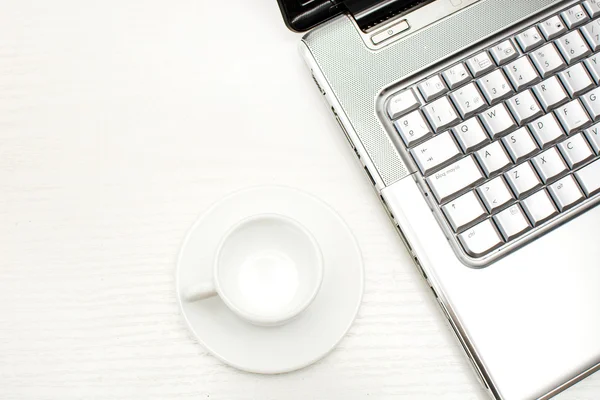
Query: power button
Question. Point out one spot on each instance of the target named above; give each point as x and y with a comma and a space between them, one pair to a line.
390, 32
456, 3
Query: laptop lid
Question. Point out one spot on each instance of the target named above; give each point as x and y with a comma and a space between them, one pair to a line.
303, 15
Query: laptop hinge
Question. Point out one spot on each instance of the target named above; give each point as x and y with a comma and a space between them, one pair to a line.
303, 15
369, 14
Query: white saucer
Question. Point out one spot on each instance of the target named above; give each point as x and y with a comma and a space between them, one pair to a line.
315, 332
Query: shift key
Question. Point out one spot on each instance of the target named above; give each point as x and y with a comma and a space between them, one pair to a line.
455, 179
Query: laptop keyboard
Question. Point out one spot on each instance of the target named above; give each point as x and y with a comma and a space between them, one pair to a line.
507, 140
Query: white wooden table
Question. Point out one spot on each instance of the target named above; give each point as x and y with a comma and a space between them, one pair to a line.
120, 122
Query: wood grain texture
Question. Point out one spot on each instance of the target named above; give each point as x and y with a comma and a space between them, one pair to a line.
120, 122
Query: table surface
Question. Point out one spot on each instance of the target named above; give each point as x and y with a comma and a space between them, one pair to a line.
120, 122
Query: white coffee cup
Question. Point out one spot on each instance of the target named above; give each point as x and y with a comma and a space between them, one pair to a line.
267, 269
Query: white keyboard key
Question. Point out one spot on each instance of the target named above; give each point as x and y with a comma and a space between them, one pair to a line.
591, 32
547, 60
576, 151
550, 166
524, 107
403, 103
575, 16
593, 66
468, 100
432, 87
553, 27
413, 128
573, 47
456, 75
504, 52
529, 39
454, 179
576, 80
592, 7
497, 121
495, 194
512, 223
493, 159
591, 102
495, 87
572, 116
464, 212
546, 131
539, 208
593, 136
589, 178
521, 73
550, 93
523, 180
566, 193
470, 135
480, 64
520, 145
481, 239
441, 114
436, 152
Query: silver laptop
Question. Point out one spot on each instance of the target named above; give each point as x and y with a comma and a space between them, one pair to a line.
477, 123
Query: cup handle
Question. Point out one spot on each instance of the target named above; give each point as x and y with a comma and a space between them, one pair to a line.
200, 292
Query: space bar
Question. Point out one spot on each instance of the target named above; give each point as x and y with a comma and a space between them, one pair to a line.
589, 178
455, 178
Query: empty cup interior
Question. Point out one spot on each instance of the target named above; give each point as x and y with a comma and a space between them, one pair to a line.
269, 268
